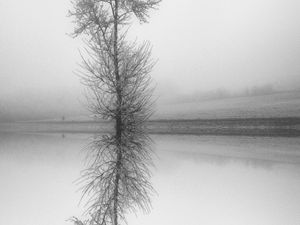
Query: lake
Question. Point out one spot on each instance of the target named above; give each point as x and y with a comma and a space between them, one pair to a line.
209, 180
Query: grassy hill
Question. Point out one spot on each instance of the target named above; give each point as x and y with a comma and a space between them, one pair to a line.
285, 104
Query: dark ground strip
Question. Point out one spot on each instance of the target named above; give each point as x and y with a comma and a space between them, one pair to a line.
281, 127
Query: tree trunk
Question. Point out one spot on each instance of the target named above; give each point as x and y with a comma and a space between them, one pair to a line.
118, 125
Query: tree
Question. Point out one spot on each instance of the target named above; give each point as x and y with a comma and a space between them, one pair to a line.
117, 74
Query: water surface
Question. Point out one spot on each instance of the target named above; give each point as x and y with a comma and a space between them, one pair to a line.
199, 180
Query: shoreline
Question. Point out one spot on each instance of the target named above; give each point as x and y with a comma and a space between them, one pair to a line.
269, 127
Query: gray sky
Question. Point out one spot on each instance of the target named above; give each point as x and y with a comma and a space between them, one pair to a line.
201, 46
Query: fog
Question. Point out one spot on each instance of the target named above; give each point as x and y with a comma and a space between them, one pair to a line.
201, 46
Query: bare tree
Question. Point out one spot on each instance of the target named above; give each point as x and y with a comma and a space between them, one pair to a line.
117, 73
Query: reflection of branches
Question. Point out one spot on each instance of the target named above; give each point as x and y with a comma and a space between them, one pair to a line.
100, 178
117, 75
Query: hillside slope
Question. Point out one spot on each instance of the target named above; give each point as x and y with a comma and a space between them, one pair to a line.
276, 105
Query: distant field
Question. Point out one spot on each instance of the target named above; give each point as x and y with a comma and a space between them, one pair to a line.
269, 115
268, 106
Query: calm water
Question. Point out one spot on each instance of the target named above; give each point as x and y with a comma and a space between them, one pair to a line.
199, 180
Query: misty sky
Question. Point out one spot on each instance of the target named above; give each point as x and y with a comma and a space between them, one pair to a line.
201, 46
